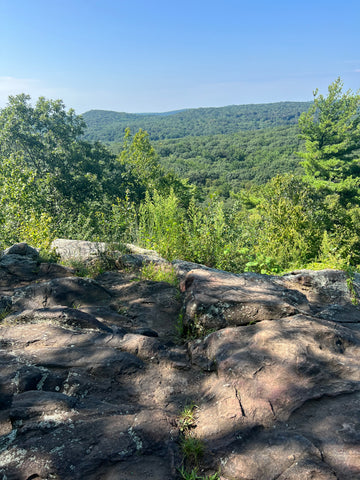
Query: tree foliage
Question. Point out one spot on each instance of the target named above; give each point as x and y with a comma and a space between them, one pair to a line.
48, 140
108, 126
289, 221
219, 164
53, 182
140, 159
217, 149
331, 130
51, 176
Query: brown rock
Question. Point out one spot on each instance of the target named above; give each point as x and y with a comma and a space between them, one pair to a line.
291, 454
92, 381
216, 299
323, 287
16, 269
277, 366
63, 316
69, 291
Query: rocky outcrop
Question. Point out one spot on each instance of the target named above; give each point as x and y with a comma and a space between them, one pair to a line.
287, 371
93, 374
217, 299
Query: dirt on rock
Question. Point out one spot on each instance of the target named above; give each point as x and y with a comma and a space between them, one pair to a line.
95, 376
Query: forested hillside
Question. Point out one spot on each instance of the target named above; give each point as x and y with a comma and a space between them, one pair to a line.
217, 149
226, 163
109, 126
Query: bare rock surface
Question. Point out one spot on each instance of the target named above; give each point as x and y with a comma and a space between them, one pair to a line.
216, 299
77, 249
85, 251
287, 369
93, 374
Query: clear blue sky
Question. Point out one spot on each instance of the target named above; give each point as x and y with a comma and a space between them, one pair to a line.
157, 55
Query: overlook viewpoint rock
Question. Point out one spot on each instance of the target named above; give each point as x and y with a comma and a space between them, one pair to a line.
94, 375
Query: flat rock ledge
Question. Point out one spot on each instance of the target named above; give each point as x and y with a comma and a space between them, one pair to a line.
94, 376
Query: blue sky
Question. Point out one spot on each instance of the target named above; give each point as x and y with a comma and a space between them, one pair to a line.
155, 56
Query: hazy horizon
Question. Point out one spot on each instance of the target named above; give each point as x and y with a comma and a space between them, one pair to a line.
194, 108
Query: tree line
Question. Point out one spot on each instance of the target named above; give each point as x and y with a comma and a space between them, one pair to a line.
109, 127
55, 183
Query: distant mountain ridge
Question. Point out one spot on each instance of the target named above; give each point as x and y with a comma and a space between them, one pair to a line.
108, 126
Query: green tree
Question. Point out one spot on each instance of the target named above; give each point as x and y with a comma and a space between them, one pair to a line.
139, 156
43, 134
289, 221
23, 197
48, 139
331, 130
52, 179
141, 162
47, 171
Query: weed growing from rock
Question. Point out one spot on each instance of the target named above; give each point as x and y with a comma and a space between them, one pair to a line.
187, 418
4, 313
192, 448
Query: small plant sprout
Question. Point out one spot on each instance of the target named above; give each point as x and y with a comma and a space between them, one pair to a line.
187, 418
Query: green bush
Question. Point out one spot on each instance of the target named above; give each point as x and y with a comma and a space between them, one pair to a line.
161, 221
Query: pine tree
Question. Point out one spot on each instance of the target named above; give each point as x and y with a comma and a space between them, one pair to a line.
331, 130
